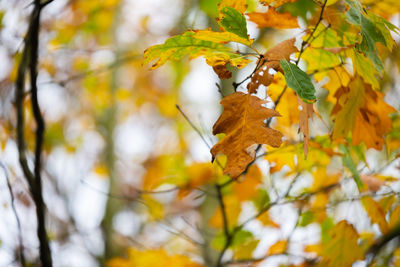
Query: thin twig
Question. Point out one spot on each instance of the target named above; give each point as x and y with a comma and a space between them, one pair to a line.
228, 235
21, 243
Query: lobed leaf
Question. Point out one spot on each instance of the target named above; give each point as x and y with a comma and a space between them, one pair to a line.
220, 37
243, 123
175, 48
342, 250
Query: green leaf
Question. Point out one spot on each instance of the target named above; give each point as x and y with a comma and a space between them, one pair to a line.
373, 30
175, 48
299, 81
233, 21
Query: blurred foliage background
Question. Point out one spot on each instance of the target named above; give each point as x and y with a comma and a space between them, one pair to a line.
126, 175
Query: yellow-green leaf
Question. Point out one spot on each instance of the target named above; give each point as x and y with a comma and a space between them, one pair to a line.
342, 250
220, 37
375, 213
175, 48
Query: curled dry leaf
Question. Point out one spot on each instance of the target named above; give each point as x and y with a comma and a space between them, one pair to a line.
271, 60
306, 112
243, 123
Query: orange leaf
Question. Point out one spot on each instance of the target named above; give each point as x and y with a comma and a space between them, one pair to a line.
273, 19
247, 189
243, 123
362, 110
372, 121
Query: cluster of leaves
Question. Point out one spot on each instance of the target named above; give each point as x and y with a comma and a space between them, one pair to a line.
343, 45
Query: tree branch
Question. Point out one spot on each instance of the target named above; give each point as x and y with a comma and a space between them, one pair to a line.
30, 60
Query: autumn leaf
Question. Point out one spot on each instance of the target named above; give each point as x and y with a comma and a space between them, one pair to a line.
342, 250
271, 60
278, 248
220, 37
247, 188
361, 110
375, 213
349, 101
175, 48
151, 258
243, 123
298, 80
273, 19
306, 112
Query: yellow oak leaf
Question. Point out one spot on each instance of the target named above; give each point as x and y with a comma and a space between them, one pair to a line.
151, 258
278, 248
273, 19
375, 213
342, 250
243, 123
220, 37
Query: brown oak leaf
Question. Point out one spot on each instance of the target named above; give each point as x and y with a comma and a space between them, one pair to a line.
243, 123
271, 60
